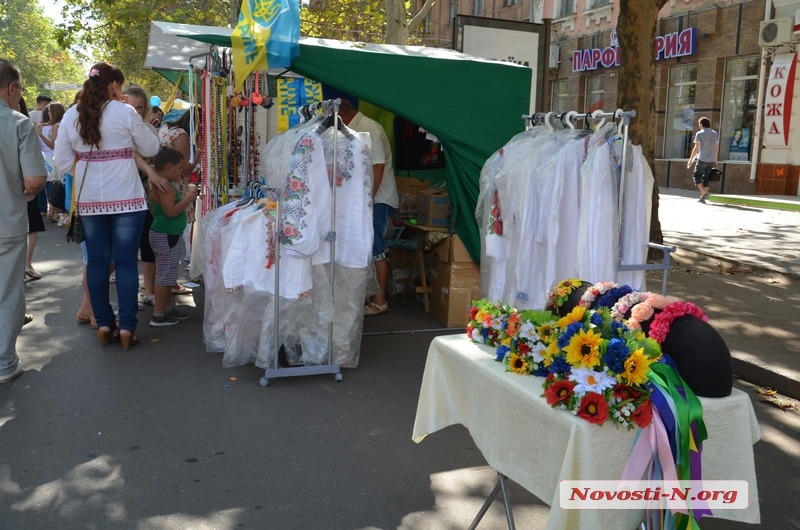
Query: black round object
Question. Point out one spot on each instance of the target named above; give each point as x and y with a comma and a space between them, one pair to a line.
701, 355
571, 301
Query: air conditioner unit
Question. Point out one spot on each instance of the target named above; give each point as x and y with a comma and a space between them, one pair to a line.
775, 32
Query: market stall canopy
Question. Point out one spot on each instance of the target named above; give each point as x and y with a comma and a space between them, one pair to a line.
473, 105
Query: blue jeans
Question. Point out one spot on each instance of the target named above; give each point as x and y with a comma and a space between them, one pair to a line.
381, 215
113, 238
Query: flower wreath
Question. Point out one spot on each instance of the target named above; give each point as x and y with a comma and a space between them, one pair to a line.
559, 294
625, 304
593, 292
646, 309
94, 72
659, 329
612, 295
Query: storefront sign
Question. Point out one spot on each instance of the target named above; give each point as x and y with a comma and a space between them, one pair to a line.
678, 44
778, 100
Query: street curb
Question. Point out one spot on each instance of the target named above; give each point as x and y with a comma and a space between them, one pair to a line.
695, 254
790, 206
764, 376
744, 368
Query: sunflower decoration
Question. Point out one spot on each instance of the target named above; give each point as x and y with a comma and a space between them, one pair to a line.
530, 332
598, 368
488, 321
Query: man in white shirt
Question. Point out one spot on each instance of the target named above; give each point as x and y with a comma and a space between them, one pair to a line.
384, 197
42, 101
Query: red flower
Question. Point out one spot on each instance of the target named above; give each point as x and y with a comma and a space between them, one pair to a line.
559, 392
626, 393
643, 415
473, 312
469, 331
593, 408
523, 348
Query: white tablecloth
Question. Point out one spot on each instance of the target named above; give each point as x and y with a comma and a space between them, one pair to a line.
521, 436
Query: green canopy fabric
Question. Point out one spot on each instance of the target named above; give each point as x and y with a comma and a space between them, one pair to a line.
473, 105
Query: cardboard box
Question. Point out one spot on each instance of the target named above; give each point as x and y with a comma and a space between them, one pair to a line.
407, 189
453, 288
451, 250
433, 207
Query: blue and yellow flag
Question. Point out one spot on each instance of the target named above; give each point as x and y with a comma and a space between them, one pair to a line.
293, 93
266, 35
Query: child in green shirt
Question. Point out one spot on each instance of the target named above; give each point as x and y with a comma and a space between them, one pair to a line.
169, 222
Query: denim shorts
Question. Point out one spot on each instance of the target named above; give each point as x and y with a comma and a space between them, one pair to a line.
381, 214
701, 171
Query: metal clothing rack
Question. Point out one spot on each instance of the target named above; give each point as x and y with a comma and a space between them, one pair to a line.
624, 120
274, 371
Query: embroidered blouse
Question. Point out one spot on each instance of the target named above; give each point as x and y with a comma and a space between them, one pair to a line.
106, 179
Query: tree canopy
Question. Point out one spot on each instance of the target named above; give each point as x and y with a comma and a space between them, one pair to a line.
28, 39
118, 30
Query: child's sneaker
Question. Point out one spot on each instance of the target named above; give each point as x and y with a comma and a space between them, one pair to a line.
160, 321
174, 313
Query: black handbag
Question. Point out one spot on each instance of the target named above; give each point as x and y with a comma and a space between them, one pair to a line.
58, 195
715, 175
75, 227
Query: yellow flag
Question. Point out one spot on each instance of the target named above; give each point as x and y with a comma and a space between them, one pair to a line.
249, 40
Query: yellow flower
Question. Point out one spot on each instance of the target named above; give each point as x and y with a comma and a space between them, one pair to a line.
584, 349
479, 315
570, 284
636, 367
547, 332
518, 363
506, 341
576, 315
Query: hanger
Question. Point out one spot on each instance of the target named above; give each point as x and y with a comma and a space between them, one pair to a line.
599, 114
547, 121
568, 119
618, 114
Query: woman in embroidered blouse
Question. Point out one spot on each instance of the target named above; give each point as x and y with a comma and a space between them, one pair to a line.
101, 132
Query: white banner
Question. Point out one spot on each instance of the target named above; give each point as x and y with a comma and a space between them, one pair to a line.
778, 100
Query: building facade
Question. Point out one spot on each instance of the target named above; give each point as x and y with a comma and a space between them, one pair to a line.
713, 58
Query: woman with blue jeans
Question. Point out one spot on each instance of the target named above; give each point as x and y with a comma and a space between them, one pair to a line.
98, 136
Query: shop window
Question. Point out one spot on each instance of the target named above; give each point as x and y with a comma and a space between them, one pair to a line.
595, 87
507, 3
566, 8
599, 3
477, 7
680, 121
738, 109
560, 96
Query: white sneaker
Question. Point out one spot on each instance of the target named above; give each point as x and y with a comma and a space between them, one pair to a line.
10, 377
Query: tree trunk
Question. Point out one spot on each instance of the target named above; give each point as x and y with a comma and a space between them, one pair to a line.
636, 31
397, 23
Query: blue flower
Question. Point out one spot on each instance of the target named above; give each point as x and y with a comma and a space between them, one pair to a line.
541, 370
616, 353
502, 350
612, 295
572, 329
618, 328
560, 365
596, 319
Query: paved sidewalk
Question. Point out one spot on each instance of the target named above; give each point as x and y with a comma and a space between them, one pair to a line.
742, 263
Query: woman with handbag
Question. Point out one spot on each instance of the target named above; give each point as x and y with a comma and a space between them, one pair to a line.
99, 136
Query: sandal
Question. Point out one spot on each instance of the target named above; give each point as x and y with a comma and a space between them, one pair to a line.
128, 340
32, 274
104, 336
372, 309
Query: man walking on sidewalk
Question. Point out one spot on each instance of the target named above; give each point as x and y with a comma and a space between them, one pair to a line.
22, 176
704, 151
